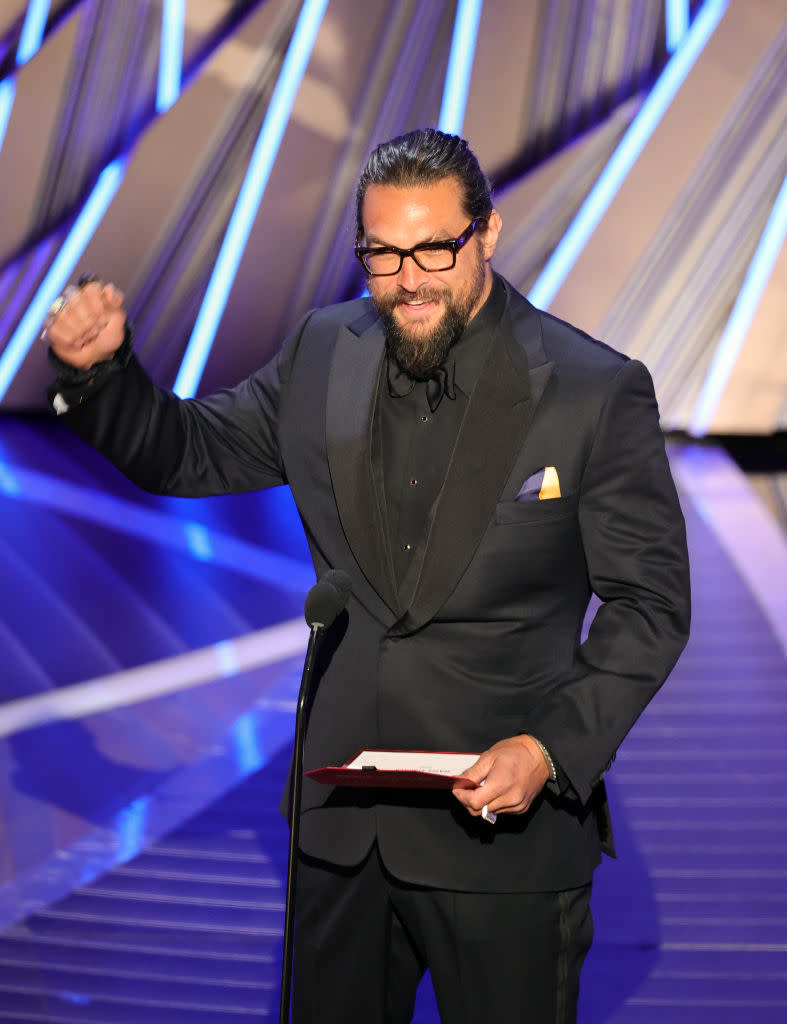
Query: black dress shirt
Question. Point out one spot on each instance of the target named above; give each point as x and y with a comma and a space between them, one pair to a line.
416, 444
413, 448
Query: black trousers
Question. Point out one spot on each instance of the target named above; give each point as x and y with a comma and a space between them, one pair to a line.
363, 940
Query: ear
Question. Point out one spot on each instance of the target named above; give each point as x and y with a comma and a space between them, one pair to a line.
490, 234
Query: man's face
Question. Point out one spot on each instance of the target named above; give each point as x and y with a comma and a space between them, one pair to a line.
425, 312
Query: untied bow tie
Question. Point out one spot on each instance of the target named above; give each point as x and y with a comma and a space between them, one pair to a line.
440, 383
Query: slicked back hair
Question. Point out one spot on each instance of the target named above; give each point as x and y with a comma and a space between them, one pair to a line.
424, 157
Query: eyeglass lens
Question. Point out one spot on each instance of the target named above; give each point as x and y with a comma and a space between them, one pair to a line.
437, 257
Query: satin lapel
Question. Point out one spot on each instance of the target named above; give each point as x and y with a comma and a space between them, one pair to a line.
492, 433
352, 388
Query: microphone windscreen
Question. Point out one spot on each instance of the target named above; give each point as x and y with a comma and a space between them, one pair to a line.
338, 578
327, 598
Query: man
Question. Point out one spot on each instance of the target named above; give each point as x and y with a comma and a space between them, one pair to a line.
478, 468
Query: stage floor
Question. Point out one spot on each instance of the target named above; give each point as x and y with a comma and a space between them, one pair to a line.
176, 916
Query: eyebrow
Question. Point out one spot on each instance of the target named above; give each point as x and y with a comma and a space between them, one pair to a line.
374, 240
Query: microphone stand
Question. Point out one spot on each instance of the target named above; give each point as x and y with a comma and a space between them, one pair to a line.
295, 822
324, 602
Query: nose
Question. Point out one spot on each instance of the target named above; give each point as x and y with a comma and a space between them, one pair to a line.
411, 276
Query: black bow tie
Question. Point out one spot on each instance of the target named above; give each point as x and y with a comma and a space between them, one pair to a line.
440, 383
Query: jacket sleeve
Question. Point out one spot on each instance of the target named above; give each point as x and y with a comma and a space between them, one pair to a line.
634, 539
194, 447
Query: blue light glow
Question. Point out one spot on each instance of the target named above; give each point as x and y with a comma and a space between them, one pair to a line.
32, 31
170, 65
227, 657
9, 481
77, 998
7, 94
631, 145
249, 198
130, 825
734, 335
460, 66
198, 540
60, 271
676, 17
248, 755
25, 272
151, 526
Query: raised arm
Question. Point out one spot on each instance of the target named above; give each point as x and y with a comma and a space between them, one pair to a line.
226, 442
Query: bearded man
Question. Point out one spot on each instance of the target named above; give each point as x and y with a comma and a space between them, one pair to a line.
479, 468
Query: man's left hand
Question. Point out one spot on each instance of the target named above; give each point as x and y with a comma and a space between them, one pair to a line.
513, 773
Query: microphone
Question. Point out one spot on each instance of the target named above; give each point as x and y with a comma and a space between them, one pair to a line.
327, 598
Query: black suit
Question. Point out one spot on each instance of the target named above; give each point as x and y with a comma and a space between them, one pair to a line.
489, 646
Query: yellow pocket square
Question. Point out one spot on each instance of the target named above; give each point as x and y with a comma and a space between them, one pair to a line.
541, 485
550, 486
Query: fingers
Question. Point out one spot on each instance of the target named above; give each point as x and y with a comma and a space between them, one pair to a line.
112, 297
478, 773
89, 326
84, 311
77, 325
510, 778
504, 791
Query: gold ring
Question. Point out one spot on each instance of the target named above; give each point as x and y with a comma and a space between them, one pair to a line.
56, 307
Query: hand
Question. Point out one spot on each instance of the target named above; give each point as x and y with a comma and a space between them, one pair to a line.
513, 773
90, 327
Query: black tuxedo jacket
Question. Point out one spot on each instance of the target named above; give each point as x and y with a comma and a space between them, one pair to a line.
490, 644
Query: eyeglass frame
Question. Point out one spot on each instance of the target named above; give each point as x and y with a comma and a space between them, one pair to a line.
452, 245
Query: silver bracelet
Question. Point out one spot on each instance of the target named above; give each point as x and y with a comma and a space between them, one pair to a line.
548, 759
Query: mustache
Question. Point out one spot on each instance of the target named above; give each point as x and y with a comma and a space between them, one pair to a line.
402, 296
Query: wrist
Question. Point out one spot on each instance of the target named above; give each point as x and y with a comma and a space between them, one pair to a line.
73, 386
547, 759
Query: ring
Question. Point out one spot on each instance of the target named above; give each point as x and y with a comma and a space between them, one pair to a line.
56, 307
488, 815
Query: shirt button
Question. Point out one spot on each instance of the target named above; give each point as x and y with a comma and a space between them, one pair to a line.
424, 419
413, 483
408, 547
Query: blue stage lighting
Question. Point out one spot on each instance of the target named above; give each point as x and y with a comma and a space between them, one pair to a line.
170, 53
198, 540
151, 526
631, 145
60, 271
32, 30
731, 341
7, 94
29, 44
460, 66
9, 481
249, 198
131, 829
246, 741
227, 657
676, 17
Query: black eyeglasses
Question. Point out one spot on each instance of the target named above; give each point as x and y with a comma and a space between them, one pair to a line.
386, 260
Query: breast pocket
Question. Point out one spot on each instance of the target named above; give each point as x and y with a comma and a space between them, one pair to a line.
531, 513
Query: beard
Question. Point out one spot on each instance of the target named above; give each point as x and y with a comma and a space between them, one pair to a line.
420, 351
